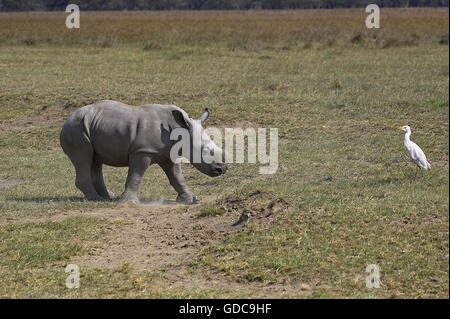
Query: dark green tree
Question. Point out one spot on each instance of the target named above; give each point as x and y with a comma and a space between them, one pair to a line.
30, 5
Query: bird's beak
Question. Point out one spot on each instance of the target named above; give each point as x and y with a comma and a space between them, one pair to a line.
399, 128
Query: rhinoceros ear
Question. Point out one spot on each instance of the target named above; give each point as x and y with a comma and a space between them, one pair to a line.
180, 119
204, 116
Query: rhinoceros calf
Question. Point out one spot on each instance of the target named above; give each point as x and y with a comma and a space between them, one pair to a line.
116, 134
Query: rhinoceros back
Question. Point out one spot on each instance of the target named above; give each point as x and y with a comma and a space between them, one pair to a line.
114, 130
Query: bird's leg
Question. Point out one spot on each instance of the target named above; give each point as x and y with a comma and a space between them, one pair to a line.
416, 172
406, 159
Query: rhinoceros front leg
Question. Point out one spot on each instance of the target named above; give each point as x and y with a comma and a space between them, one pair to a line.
176, 179
137, 167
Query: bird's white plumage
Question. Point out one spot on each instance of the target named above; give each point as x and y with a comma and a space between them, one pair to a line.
414, 151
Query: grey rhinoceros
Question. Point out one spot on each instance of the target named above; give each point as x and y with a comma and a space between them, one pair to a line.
112, 133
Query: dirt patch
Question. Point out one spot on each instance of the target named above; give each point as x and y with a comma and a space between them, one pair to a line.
259, 207
46, 117
163, 237
5, 183
151, 236
155, 237
203, 279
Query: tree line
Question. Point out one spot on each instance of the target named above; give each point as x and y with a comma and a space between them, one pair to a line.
56, 5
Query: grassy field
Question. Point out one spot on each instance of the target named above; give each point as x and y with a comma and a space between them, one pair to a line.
344, 195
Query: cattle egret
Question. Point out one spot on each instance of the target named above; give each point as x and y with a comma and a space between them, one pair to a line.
414, 151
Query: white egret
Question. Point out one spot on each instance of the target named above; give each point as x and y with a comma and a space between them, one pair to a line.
414, 151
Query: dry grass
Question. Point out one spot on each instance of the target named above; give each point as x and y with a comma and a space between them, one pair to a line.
247, 30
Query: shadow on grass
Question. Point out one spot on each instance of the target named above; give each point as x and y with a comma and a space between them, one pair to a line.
407, 177
385, 181
45, 199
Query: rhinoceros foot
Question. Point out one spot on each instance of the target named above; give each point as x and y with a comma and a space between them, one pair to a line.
131, 199
188, 198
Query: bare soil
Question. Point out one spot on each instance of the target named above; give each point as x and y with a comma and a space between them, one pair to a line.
163, 237
44, 118
5, 183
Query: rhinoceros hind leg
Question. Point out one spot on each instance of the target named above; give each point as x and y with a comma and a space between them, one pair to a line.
112, 195
99, 183
78, 148
83, 179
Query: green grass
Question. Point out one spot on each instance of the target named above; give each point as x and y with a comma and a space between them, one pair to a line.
211, 211
352, 200
34, 244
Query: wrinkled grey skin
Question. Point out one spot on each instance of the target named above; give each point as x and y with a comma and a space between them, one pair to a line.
116, 134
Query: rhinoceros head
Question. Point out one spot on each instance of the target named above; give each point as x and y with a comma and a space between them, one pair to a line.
206, 156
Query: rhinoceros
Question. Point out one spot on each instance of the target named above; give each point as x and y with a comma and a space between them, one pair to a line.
115, 134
